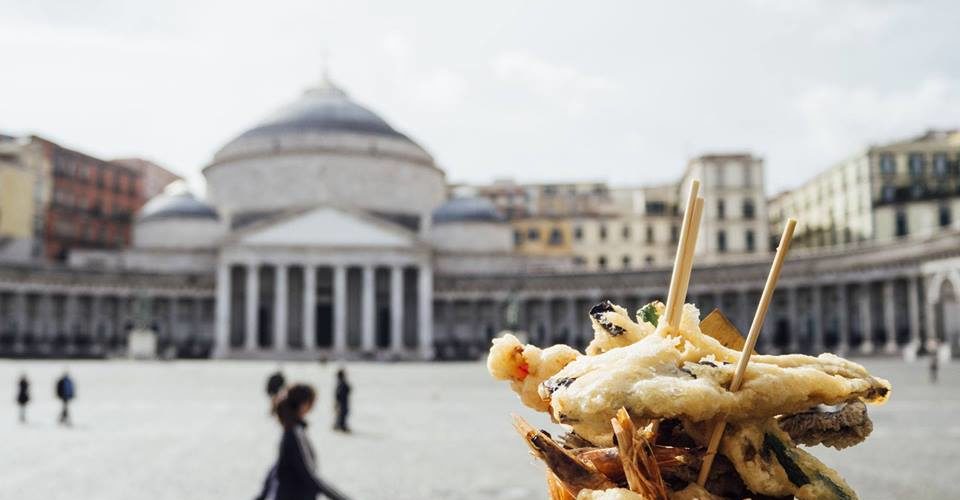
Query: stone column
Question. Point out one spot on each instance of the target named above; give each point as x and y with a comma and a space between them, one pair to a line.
367, 321
913, 310
340, 309
889, 320
424, 310
280, 308
793, 320
930, 316
221, 342
21, 318
573, 330
70, 319
396, 308
816, 316
198, 329
866, 321
252, 306
744, 317
172, 325
547, 321
843, 320
309, 331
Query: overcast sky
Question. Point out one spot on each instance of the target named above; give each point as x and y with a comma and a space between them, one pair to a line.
619, 91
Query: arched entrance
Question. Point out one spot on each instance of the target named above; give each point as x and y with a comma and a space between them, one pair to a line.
943, 308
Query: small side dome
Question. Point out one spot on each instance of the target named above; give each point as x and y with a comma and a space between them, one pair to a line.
176, 202
467, 209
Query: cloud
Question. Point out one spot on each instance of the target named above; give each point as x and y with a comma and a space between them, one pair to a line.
840, 116
545, 77
430, 89
555, 82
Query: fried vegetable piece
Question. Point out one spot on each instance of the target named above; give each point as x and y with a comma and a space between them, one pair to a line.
526, 367
572, 473
612, 327
838, 426
555, 489
610, 494
666, 376
770, 464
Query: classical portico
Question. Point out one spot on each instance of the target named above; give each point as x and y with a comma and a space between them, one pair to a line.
325, 282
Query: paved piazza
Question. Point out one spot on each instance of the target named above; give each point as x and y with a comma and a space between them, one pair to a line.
200, 430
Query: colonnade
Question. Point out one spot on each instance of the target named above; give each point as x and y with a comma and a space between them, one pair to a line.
290, 308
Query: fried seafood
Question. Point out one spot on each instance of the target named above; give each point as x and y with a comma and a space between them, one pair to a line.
640, 404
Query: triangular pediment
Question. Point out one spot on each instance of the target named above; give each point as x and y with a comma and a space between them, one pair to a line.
329, 227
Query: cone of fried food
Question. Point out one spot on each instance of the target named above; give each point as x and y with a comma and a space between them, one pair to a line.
640, 405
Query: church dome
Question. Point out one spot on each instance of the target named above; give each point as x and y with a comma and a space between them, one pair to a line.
467, 209
324, 108
176, 202
323, 148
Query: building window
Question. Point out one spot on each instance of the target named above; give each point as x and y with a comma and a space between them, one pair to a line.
751, 244
749, 211
721, 241
649, 260
656, 208
556, 236
579, 261
626, 232
888, 193
674, 234
901, 223
602, 262
650, 234
940, 164
533, 234
603, 233
578, 233
888, 164
721, 209
916, 164
946, 218
626, 261
518, 237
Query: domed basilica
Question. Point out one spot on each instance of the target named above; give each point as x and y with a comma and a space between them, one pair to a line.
324, 225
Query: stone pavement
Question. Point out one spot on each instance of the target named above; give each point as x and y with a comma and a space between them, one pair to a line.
200, 430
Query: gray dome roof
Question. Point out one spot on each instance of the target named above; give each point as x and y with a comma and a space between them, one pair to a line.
176, 206
325, 108
472, 209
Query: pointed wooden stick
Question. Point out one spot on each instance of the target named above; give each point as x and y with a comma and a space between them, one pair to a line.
684, 284
680, 260
751, 342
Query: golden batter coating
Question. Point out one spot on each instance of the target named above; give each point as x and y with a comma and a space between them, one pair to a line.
526, 367
666, 376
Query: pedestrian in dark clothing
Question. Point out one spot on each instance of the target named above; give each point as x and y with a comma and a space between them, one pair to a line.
934, 367
342, 395
23, 397
275, 382
294, 477
66, 391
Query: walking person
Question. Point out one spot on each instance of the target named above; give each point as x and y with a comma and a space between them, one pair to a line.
23, 397
294, 476
275, 383
342, 403
934, 366
66, 391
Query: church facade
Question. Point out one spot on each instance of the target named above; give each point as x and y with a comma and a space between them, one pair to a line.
328, 233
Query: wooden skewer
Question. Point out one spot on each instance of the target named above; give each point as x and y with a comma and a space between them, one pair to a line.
678, 262
687, 267
751, 342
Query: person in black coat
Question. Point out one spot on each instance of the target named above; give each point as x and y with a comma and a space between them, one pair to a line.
23, 397
294, 477
342, 403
